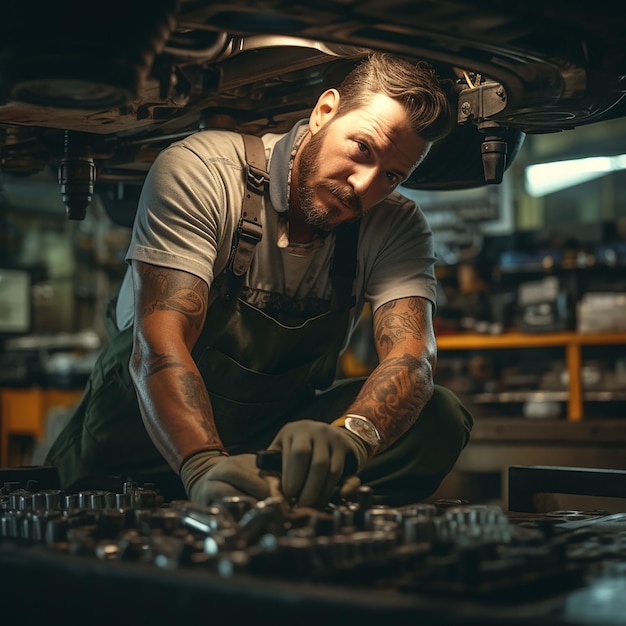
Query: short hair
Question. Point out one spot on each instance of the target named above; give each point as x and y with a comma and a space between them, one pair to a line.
415, 85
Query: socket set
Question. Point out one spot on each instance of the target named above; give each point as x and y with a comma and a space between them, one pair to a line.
448, 547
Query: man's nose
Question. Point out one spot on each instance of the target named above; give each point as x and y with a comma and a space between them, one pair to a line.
361, 180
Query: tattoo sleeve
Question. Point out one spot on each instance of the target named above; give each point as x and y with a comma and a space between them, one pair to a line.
167, 290
170, 308
398, 388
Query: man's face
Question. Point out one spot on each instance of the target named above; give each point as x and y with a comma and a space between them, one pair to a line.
354, 161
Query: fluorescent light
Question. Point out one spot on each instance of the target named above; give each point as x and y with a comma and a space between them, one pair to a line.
545, 178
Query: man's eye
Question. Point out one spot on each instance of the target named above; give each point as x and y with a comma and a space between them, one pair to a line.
362, 147
392, 178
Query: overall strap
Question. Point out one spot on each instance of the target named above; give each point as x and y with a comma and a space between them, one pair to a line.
250, 228
343, 266
250, 231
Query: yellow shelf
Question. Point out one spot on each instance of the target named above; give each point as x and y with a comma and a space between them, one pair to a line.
24, 411
572, 343
477, 341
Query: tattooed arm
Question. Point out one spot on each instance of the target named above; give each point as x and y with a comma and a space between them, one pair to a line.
170, 309
397, 390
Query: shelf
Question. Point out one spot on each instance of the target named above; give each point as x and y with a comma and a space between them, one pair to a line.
478, 341
498, 397
572, 342
605, 396
520, 396
550, 431
23, 412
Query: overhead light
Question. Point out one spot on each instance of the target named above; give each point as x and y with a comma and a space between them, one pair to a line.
545, 178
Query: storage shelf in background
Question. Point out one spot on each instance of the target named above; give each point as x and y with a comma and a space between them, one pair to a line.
478, 341
604, 396
546, 396
520, 396
23, 412
572, 343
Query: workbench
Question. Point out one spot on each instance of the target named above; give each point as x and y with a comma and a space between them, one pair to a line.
547, 569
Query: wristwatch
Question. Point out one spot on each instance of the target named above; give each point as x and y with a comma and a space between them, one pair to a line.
362, 428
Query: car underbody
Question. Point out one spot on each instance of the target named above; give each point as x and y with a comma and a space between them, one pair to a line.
96, 95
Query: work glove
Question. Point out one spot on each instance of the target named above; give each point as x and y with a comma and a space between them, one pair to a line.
315, 458
209, 476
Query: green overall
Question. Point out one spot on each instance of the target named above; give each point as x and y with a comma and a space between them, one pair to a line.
259, 374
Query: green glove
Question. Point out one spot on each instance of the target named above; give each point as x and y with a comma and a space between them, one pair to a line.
315, 458
210, 476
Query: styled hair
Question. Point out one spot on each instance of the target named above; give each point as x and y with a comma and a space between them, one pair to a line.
415, 85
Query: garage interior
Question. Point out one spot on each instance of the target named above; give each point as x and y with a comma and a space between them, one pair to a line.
544, 381
531, 332
544, 378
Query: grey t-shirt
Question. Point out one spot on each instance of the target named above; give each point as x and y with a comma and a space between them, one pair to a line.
189, 209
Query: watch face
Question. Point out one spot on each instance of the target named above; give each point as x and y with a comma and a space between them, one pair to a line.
363, 429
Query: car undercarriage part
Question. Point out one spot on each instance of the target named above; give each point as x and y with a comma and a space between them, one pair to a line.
128, 82
77, 175
52, 56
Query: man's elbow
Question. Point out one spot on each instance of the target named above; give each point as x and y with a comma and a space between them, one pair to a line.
426, 374
136, 365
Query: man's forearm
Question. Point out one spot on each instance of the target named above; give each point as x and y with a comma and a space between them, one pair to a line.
397, 390
394, 395
175, 408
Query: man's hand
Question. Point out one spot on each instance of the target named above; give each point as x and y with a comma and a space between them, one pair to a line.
210, 476
315, 457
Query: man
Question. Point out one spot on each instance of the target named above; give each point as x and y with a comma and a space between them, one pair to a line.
200, 375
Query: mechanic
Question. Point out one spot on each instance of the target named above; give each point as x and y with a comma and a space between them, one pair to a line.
223, 345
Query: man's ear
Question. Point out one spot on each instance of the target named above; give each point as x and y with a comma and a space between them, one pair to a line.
324, 110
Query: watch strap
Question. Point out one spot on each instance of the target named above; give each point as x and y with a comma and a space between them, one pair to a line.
372, 445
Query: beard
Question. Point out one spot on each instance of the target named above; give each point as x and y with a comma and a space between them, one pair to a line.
317, 214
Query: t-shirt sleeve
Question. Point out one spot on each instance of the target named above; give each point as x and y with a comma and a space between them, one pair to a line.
403, 264
183, 212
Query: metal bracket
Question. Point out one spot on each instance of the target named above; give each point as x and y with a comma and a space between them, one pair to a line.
482, 102
526, 481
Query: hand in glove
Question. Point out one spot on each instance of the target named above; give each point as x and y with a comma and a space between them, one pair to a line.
315, 457
209, 476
